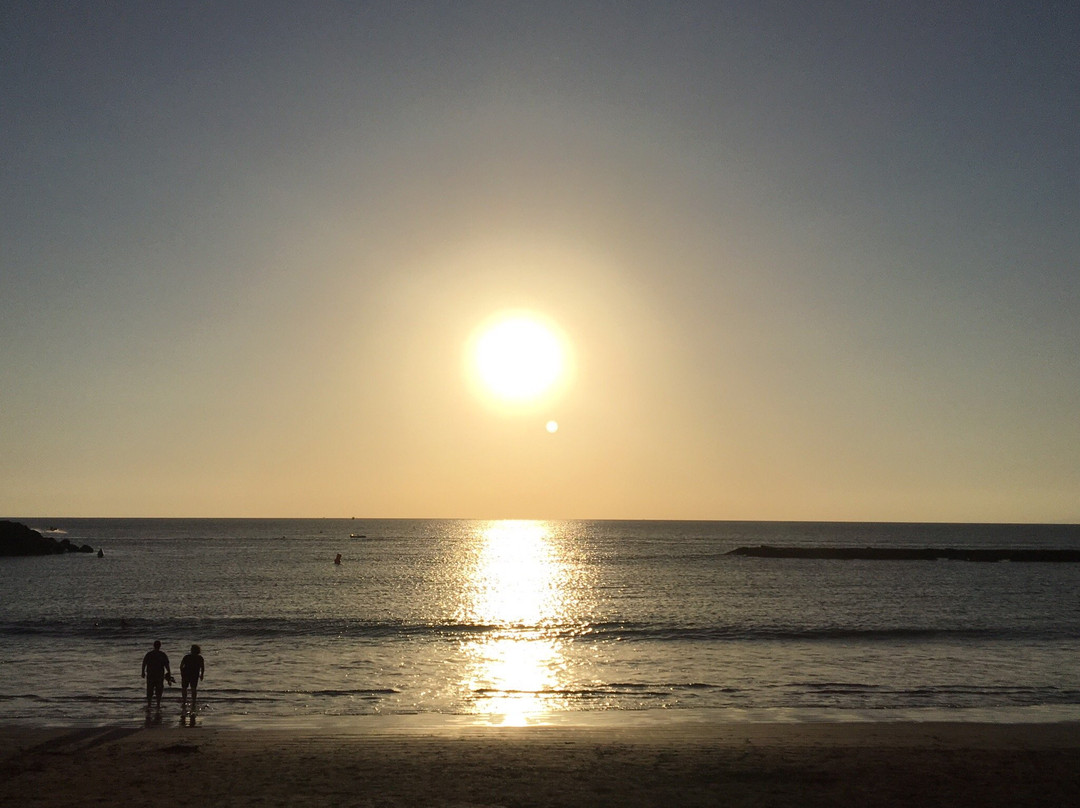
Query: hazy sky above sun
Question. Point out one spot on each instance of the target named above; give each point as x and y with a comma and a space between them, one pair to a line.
804, 260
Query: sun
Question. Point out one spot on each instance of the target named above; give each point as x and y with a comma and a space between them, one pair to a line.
518, 357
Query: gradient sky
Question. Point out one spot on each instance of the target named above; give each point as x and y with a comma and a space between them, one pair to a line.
816, 260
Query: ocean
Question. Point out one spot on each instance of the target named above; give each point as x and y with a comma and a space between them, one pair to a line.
533, 622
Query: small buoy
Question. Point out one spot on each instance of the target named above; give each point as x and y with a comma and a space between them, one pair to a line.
337, 559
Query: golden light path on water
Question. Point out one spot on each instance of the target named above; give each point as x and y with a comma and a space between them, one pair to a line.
519, 585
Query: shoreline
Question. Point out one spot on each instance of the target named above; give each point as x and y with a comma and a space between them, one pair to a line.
673, 764
643, 719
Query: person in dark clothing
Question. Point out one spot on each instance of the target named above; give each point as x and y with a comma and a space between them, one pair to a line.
155, 670
191, 672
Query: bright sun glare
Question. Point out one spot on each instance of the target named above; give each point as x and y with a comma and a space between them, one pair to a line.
518, 358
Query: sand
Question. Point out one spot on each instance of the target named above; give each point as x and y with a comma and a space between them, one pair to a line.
837, 764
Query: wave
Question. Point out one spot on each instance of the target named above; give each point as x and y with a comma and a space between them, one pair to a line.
796, 633
271, 628
636, 689
826, 694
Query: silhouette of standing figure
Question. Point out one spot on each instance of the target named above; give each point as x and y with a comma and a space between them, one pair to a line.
192, 669
155, 670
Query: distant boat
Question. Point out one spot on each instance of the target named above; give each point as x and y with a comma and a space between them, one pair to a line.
357, 536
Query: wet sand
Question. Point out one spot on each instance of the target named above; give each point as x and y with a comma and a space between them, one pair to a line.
834, 764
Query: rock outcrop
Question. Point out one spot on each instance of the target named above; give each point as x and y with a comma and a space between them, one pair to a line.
18, 540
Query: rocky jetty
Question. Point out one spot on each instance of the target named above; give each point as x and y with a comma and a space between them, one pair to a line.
18, 540
907, 553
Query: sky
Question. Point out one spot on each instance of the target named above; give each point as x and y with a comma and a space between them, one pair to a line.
812, 261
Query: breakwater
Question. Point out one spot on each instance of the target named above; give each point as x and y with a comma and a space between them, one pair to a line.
909, 554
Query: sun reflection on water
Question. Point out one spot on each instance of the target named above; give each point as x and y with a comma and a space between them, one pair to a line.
517, 586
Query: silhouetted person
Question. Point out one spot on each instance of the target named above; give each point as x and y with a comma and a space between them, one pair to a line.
192, 669
155, 670
337, 559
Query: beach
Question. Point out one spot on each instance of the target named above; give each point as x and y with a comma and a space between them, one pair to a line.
681, 764
578, 663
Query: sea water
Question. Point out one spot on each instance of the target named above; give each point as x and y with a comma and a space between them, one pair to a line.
522, 622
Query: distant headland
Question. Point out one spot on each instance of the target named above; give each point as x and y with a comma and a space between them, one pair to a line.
907, 553
17, 539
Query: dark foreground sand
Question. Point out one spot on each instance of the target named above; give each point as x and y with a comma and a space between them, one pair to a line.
680, 765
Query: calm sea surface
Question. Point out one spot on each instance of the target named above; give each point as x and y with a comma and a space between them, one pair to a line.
532, 622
